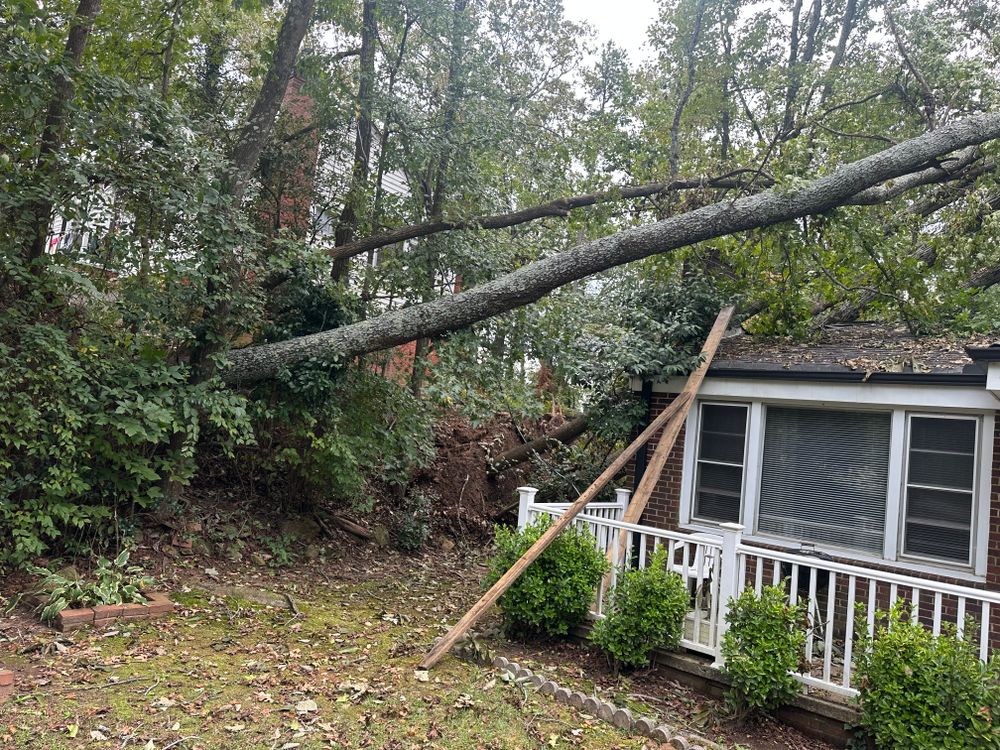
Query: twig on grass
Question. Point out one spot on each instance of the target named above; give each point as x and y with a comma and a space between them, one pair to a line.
175, 743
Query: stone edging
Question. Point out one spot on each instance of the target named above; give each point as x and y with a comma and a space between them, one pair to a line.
620, 717
156, 605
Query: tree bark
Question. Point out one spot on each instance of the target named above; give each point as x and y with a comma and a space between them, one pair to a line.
562, 435
536, 279
259, 123
559, 207
348, 223
55, 118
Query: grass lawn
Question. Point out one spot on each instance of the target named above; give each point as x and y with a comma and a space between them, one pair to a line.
226, 671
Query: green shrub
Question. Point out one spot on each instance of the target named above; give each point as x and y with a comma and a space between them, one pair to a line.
414, 524
918, 690
89, 428
115, 582
554, 593
325, 431
645, 611
762, 647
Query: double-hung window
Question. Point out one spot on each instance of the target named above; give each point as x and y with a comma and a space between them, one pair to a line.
940, 487
721, 455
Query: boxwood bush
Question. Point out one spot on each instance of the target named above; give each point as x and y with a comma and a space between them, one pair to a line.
553, 595
645, 611
918, 690
761, 647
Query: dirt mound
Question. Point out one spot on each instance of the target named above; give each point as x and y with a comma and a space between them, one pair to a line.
470, 500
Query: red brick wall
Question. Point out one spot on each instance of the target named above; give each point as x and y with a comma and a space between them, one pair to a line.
664, 505
662, 510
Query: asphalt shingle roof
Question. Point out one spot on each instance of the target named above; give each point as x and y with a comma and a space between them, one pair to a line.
863, 348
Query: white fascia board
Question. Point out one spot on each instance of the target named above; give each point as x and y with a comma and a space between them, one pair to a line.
993, 378
959, 398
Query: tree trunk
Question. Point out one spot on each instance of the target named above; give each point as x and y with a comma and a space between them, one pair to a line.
259, 123
562, 435
55, 124
533, 281
348, 223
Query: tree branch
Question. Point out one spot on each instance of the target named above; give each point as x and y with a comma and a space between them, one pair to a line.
559, 207
535, 280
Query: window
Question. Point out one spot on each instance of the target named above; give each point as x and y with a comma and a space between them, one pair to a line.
721, 447
824, 476
940, 482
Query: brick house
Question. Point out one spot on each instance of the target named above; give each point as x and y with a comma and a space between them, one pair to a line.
870, 446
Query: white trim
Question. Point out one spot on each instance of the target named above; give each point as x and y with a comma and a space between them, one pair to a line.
968, 403
993, 377
984, 495
755, 454
817, 394
842, 553
894, 491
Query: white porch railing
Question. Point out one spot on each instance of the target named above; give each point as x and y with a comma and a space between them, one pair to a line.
719, 567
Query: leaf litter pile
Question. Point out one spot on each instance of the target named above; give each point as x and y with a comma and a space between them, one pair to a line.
318, 656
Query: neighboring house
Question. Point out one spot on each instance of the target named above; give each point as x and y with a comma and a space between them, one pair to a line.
870, 446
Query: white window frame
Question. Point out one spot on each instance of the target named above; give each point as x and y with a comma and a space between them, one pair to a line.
900, 401
697, 452
973, 521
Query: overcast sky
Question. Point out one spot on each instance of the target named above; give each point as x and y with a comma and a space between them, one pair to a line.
624, 21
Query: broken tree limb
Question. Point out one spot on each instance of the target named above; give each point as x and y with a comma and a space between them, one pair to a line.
560, 207
507, 579
562, 435
640, 498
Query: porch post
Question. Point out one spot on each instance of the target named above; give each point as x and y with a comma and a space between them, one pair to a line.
730, 585
526, 496
622, 496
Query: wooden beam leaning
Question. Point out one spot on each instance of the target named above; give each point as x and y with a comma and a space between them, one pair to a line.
640, 498
507, 579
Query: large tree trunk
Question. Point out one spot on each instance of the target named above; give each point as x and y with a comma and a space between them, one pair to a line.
854, 182
348, 223
259, 123
52, 134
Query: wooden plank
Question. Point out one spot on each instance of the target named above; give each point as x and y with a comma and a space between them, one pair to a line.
640, 498
507, 579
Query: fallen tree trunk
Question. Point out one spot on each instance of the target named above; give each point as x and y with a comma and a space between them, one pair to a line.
562, 435
533, 281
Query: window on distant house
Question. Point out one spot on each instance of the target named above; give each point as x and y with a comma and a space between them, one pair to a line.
721, 449
824, 476
940, 482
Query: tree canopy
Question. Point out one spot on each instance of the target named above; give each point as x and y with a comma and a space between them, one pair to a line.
215, 215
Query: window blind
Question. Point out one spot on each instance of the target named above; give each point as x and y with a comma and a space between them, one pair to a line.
824, 476
721, 447
940, 479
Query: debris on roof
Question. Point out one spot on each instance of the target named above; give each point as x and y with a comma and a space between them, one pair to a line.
858, 347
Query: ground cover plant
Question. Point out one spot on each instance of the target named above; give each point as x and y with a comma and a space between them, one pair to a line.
111, 582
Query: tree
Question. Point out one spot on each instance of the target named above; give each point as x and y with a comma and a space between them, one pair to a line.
860, 181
